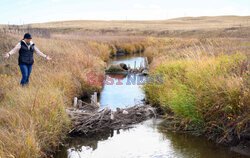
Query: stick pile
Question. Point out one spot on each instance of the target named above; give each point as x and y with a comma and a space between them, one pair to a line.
87, 123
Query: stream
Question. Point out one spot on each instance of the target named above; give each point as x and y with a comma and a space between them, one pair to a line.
143, 140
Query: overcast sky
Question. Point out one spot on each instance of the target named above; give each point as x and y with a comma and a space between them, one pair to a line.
33, 11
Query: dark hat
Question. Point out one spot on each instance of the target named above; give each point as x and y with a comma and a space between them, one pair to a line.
27, 36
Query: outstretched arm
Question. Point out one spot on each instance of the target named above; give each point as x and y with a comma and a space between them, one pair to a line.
37, 51
14, 50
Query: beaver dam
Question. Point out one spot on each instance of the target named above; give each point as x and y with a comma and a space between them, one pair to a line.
117, 123
90, 123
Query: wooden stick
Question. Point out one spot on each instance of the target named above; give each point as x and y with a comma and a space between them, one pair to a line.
95, 94
141, 65
75, 102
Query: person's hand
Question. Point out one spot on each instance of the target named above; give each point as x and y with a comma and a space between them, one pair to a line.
7, 55
48, 58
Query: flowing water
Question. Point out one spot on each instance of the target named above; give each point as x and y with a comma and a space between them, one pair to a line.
144, 140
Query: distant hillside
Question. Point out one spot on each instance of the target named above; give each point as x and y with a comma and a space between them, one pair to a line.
216, 26
186, 23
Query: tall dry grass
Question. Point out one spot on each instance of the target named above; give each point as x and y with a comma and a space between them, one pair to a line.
33, 119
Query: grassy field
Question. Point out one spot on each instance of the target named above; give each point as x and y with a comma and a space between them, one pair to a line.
204, 62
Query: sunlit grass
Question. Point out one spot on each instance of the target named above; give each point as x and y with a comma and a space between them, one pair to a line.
205, 83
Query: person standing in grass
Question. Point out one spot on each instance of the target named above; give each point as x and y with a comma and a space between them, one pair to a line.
26, 48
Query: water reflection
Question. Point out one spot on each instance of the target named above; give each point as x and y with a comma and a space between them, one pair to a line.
145, 140
123, 90
186, 145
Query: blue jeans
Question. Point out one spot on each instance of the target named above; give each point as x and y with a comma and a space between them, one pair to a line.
25, 70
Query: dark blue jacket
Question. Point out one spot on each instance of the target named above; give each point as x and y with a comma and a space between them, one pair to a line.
25, 54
